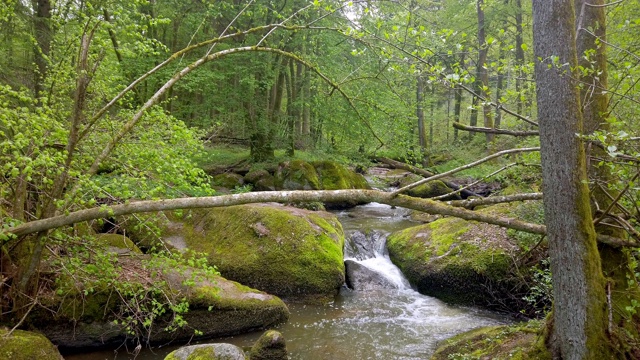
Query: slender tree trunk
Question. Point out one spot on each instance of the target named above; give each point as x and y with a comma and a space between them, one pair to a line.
306, 110
420, 115
519, 56
579, 327
483, 73
458, 102
432, 105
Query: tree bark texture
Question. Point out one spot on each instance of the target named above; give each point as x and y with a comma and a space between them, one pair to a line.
579, 312
482, 82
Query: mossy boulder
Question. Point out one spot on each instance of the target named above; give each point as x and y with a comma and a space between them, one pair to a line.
286, 251
514, 342
431, 189
460, 262
334, 176
207, 352
270, 346
261, 180
26, 345
228, 180
118, 243
216, 306
296, 175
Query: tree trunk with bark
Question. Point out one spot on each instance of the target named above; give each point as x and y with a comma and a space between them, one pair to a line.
579, 326
622, 285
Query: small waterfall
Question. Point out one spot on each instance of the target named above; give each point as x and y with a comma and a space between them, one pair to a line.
368, 265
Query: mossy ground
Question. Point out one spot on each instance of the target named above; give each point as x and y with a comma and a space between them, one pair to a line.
285, 251
517, 342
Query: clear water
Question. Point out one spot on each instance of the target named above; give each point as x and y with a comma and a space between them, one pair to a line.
399, 324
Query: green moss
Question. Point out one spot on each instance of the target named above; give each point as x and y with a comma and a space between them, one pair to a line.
519, 342
227, 180
284, 251
118, 241
24, 345
455, 260
428, 190
207, 352
270, 346
297, 175
261, 180
334, 176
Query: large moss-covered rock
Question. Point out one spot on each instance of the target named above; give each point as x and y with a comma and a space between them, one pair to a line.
515, 342
334, 176
431, 189
282, 250
227, 180
261, 180
270, 346
216, 306
25, 345
117, 243
296, 175
207, 352
459, 261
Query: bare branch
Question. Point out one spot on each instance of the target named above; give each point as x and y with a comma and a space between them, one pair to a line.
464, 167
423, 172
440, 197
516, 133
471, 203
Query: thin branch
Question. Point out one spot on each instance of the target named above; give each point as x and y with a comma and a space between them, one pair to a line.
423, 172
471, 203
604, 5
615, 201
440, 197
464, 167
516, 133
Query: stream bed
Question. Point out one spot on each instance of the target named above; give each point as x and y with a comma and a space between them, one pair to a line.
397, 323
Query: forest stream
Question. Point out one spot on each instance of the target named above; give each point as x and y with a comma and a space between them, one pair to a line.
396, 323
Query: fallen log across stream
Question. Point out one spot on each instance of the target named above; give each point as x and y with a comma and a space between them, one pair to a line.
363, 196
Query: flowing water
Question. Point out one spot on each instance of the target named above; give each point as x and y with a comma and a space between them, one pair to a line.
394, 323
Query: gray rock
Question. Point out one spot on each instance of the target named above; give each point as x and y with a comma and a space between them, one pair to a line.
363, 246
270, 346
208, 352
360, 277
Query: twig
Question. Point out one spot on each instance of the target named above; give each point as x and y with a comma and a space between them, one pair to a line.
615, 201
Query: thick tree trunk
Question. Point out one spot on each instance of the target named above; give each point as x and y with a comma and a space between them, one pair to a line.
579, 327
616, 263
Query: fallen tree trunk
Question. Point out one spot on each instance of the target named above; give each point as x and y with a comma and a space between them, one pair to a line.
425, 205
422, 172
